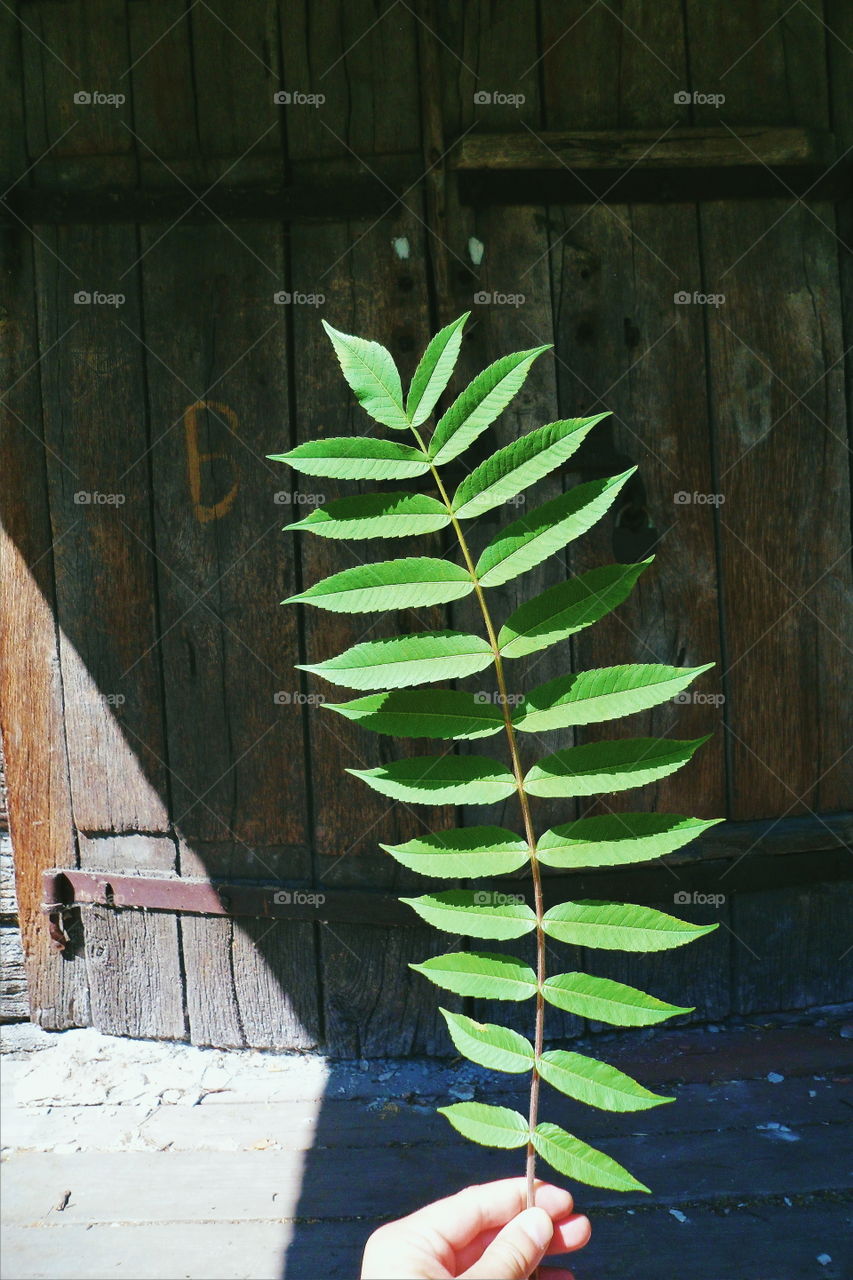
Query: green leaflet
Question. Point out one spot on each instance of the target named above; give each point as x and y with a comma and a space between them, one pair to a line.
595, 1083
433, 373
409, 583
479, 913
619, 926
479, 404
613, 839
566, 608
588, 697
424, 713
608, 766
490, 1126
405, 660
463, 852
575, 1159
441, 780
520, 464
376, 515
604, 1000
488, 1044
355, 458
480, 973
372, 374
538, 534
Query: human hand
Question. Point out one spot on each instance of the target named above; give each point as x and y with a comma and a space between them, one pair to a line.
482, 1233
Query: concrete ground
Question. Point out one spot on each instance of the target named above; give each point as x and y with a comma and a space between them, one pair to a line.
148, 1159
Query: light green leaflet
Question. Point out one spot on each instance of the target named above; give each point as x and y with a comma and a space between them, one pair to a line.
376, 515
424, 713
403, 683
462, 852
391, 584
606, 693
538, 534
519, 465
441, 780
405, 660
355, 458
608, 766
619, 926
567, 608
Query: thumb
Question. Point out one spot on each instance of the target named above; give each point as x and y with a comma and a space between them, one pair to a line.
516, 1249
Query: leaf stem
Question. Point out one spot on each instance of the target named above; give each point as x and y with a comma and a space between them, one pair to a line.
524, 802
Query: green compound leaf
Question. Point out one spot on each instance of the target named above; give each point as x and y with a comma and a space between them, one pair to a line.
595, 1083
609, 766
614, 839
519, 465
433, 373
538, 534
375, 515
370, 371
488, 1044
423, 713
619, 926
604, 1000
408, 583
480, 973
478, 913
405, 660
490, 1126
567, 608
605, 693
462, 852
355, 458
441, 780
479, 404
575, 1159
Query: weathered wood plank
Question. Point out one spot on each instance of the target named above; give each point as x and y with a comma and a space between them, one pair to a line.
14, 1002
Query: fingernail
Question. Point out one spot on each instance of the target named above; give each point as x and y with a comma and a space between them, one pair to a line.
538, 1225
